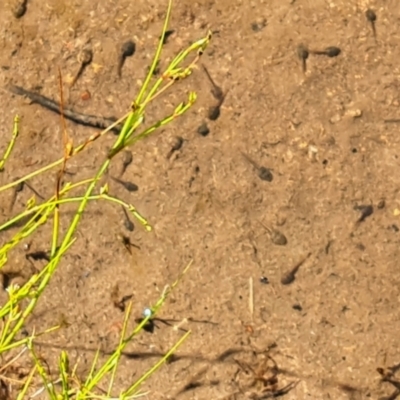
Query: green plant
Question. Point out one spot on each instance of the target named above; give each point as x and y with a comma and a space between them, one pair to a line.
23, 300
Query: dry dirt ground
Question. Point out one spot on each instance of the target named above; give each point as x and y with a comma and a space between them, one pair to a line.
323, 136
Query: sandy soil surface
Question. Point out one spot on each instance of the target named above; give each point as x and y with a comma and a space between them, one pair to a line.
322, 140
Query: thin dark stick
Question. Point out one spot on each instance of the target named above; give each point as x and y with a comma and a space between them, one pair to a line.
65, 139
79, 118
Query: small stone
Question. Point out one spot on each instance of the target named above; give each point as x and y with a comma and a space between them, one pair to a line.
85, 95
259, 24
312, 153
288, 156
335, 119
296, 18
354, 113
281, 216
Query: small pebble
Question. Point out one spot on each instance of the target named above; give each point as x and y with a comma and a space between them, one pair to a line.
312, 153
280, 218
335, 119
259, 25
85, 95
353, 113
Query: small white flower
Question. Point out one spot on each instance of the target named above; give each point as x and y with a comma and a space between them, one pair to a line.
12, 288
147, 312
